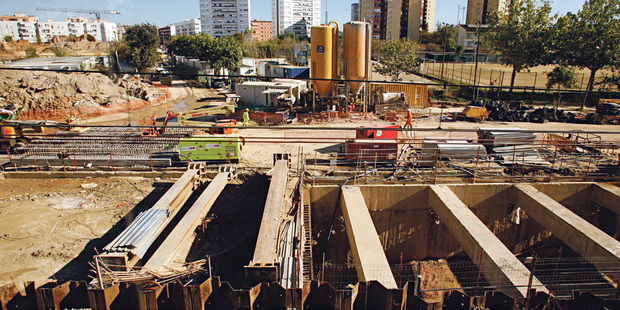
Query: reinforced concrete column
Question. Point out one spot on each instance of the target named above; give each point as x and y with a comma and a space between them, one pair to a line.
583, 237
499, 266
370, 260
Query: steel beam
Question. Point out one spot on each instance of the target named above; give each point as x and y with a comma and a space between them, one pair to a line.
499, 266
370, 260
583, 237
264, 264
186, 226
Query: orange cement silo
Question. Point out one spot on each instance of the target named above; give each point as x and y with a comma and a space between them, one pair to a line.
324, 57
356, 52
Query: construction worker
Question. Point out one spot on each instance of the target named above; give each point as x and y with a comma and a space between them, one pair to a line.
246, 117
409, 120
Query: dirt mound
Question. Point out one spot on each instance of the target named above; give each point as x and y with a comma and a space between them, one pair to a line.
50, 93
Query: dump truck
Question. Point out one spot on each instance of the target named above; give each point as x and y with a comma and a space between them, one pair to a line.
607, 111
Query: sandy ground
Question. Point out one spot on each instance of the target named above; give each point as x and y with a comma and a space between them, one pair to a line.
46, 223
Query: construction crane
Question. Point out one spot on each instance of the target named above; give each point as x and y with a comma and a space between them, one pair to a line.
97, 13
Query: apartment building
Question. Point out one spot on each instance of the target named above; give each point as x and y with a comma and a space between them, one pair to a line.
261, 30
19, 17
478, 10
188, 27
45, 31
295, 16
355, 11
222, 18
396, 19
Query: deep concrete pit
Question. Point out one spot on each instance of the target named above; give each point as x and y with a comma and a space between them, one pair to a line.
410, 230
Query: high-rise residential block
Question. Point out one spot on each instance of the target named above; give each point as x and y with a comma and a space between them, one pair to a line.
220, 18
295, 16
478, 10
395, 19
355, 11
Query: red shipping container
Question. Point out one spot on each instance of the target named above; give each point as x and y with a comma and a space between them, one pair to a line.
364, 133
371, 150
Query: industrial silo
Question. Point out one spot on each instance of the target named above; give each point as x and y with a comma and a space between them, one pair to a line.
324, 57
356, 53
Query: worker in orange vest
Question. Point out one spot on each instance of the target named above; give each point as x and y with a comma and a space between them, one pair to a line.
409, 121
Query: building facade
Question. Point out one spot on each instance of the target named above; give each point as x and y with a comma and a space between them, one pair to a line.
45, 31
295, 16
165, 33
188, 27
478, 10
222, 18
355, 11
262, 30
19, 17
396, 19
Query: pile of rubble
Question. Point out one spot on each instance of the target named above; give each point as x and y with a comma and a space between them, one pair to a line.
40, 92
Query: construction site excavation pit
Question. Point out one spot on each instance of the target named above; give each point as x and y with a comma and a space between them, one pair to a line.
555, 238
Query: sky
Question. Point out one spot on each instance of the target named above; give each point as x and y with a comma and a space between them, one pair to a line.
162, 13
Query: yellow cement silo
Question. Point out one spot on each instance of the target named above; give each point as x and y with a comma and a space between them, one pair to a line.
356, 52
324, 57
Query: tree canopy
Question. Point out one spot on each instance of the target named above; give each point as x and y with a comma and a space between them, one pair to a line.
589, 39
447, 34
142, 41
521, 36
219, 53
397, 57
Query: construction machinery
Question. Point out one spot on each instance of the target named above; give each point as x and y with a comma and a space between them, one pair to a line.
97, 13
472, 113
607, 111
211, 147
189, 118
15, 134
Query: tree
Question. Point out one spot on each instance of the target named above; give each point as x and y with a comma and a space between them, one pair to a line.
397, 57
187, 45
142, 41
31, 52
561, 76
589, 39
444, 35
8, 38
610, 82
521, 37
224, 52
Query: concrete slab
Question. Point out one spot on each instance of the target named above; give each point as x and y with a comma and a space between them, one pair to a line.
370, 260
499, 266
583, 237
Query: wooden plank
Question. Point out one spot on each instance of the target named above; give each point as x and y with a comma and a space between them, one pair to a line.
186, 226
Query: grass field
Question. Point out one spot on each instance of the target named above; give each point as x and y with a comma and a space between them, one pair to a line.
499, 75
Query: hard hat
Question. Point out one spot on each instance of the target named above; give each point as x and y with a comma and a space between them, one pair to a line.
247, 109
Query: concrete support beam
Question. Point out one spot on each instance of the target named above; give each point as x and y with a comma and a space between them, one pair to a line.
606, 195
583, 237
264, 264
499, 266
186, 226
370, 260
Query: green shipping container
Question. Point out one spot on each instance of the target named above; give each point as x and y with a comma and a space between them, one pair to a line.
220, 148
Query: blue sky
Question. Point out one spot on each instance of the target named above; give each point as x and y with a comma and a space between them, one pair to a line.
162, 13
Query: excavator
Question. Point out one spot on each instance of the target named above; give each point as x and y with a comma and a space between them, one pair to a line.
188, 118
220, 143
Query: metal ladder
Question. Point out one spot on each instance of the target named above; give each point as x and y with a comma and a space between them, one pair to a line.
307, 244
